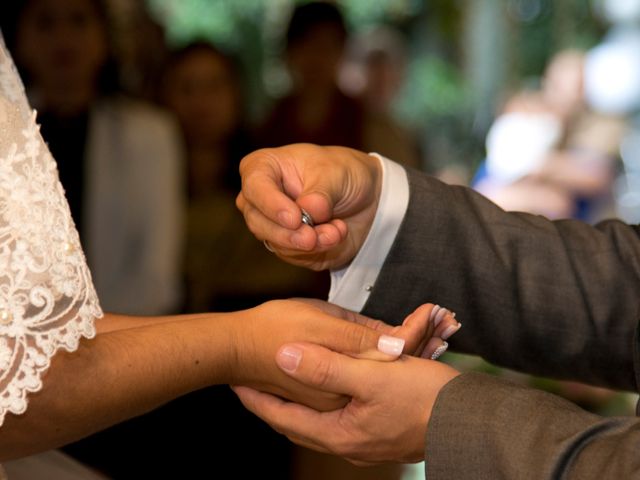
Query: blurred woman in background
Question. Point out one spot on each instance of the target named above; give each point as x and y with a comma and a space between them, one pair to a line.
118, 158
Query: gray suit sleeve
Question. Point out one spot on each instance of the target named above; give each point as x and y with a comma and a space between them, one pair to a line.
486, 428
552, 298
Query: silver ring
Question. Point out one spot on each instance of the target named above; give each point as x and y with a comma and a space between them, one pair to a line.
306, 218
268, 246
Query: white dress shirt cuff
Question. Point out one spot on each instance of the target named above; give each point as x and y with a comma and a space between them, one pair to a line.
352, 285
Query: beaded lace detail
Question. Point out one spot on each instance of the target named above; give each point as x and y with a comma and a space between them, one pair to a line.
47, 298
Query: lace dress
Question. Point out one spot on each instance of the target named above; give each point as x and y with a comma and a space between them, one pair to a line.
47, 299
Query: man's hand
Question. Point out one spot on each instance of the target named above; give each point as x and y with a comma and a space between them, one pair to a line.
339, 187
262, 330
385, 420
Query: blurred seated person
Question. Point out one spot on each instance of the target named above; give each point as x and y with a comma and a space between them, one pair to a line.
118, 158
548, 154
202, 87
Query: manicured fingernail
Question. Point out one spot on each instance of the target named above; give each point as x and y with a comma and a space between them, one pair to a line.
289, 358
439, 351
285, 219
390, 345
450, 330
439, 316
434, 312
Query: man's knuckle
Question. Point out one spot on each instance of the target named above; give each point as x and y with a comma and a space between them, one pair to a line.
343, 445
357, 337
322, 374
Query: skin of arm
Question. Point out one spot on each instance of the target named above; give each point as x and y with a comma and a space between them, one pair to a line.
385, 420
135, 372
389, 407
134, 365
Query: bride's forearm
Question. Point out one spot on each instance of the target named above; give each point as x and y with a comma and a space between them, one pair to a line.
113, 322
129, 369
119, 375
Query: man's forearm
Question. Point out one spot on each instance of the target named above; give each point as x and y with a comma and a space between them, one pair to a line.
554, 439
552, 298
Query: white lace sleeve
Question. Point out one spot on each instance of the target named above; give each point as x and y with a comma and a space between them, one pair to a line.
47, 299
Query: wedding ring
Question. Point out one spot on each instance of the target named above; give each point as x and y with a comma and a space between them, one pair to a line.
268, 247
306, 218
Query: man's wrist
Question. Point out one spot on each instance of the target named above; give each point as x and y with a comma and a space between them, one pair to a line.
377, 173
351, 285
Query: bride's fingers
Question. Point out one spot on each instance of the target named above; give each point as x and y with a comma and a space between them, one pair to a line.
424, 330
435, 348
426, 322
349, 315
447, 326
416, 329
444, 321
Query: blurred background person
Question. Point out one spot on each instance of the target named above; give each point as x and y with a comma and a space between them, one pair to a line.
119, 161
374, 72
547, 153
202, 86
322, 110
118, 158
316, 110
142, 48
550, 154
613, 86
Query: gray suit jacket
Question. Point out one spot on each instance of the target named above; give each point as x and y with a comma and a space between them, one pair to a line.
552, 298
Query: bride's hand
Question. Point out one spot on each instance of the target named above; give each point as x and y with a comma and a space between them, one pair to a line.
424, 330
264, 329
